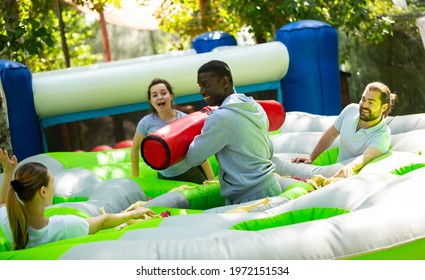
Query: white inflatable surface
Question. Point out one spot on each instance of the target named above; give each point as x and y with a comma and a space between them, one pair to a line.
383, 211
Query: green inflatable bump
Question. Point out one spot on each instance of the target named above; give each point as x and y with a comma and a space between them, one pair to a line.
156, 187
106, 164
63, 199
290, 218
64, 211
80, 159
297, 189
414, 250
214, 165
4, 243
111, 163
120, 170
204, 197
406, 169
328, 157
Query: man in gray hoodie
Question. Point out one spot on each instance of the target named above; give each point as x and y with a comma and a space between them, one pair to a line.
237, 133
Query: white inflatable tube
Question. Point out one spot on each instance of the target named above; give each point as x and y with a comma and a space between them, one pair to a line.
63, 92
136, 60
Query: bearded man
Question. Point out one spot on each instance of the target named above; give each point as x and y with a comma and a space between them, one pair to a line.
364, 135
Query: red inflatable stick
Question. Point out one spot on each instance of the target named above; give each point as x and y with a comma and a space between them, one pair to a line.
275, 113
169, 144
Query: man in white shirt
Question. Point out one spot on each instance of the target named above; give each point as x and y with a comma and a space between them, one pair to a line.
363, 132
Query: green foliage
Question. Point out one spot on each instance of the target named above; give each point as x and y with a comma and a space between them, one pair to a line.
29, 34
368, 20
96, 5
184, 18
396, 61
22, 32
77, 32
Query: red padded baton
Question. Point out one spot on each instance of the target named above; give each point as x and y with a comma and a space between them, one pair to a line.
169, 144
275, 113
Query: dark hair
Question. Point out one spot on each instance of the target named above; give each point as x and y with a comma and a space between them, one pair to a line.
386, 96
218, 68
29, 178
155, 82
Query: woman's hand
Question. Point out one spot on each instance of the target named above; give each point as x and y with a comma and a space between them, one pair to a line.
135, 205
143, 213
9, 164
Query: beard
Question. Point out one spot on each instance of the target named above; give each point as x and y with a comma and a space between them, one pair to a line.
366, 115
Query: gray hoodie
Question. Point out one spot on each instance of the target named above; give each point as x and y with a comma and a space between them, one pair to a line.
237, 133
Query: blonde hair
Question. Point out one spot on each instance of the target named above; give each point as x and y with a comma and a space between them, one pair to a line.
29, 178
386, 96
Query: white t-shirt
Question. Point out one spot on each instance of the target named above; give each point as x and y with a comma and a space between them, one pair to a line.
352, 142
59, 227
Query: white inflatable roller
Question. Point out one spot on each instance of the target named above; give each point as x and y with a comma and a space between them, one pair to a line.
125, 62
62, 92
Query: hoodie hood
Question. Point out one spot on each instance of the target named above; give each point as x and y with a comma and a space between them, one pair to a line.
248, 107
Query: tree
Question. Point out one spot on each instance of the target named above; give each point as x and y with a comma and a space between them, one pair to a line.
99, 6
15, 39
188, 19
21, 31
362, 19
397, 61
5, 141
29, 34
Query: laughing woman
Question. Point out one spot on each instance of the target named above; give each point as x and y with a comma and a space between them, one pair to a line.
160, 95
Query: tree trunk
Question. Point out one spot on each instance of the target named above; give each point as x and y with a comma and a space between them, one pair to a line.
105, 39
62, 33
204, 7
5, 141
11, 11
11, 15
152, 39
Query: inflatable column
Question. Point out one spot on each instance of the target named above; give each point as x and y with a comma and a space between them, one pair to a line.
208, 41
312, 83
169, 144
25, 131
